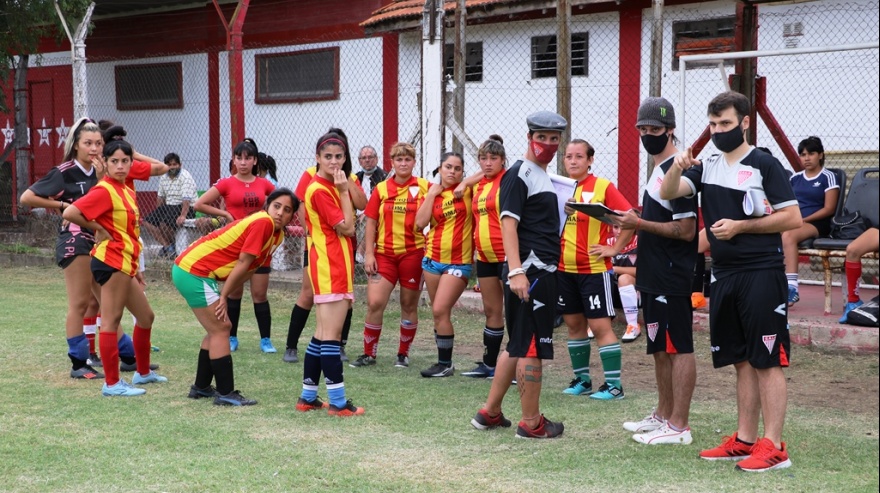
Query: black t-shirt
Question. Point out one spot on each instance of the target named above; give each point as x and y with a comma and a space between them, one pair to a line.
527, 195
723, 188
666, 265
65, 182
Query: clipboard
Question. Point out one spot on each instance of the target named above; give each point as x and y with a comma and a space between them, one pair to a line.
598, 211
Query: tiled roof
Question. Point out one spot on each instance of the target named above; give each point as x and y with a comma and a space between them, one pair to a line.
401, 10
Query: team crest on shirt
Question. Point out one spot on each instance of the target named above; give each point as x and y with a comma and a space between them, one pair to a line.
586, 196
743, 176
413, 191
652, 330
658, 183
769, 342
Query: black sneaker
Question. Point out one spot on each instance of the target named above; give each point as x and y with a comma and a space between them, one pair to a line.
349, 409
94, 361
363, 360
233, 398
205, 393
482, 421
547, 429
86, 373
132, 367
481, 371
438, 370
402, 361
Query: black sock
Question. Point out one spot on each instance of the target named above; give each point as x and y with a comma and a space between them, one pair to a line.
699, 271
128, 360
346, 327
331, 365
77, 363
492, 338
204, 371
298, 318
223, 374
444, 349
312, 363
233, 311
264, 319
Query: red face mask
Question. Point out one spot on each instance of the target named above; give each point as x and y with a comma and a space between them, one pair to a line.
543, 152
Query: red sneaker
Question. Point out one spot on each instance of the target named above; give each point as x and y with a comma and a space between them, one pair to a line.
730, 449
348, 409
765, 457
305, 406
547, 429
483, 421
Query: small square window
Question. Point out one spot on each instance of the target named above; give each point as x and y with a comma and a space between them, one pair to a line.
149, 87
703, 37
311, 75
473, 66
544, 55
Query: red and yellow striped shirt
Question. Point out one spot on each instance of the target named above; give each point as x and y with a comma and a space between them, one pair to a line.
487, 220
394, 208
451, 237
113, 206
215, 254
331, 257
581, 231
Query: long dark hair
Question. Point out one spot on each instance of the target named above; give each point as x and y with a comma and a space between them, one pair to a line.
115, 145
334, 138
278, 192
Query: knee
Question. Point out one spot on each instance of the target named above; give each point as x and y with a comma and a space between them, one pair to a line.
147, 320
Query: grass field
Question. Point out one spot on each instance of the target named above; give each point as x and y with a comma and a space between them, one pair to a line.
57, 434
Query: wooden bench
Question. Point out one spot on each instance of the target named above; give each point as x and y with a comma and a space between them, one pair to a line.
826, 256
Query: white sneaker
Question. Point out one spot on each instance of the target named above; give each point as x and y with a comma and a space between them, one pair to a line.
632, 333
665, 435
590, 333
649, 423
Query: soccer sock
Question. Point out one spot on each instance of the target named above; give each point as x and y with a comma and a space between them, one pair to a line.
444, 349
98, 320
346, 327
264, 319
311, 370
407, 334
332, 366
371, 338
90, 327
610, 355
204, 372
792, 279
223, 374
298, 318
579, 350
492, 338
78, 350
630, 301
853, 279
126, 348
233, 312
141, 338
110, 357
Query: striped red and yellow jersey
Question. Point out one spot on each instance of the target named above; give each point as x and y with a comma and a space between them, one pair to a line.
140, 170
215, 254
451, 237
331, 256
487, 220
306, 178
112, 205
393, 206
582, 231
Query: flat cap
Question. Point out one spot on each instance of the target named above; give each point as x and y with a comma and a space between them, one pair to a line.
656, 112
546, 120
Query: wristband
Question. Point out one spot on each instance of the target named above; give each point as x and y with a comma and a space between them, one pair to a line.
516, 272
638, 224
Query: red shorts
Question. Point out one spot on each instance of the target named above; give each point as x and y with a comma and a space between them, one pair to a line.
406, 268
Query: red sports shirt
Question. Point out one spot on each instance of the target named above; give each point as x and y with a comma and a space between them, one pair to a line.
331, 257
451, 237
140, 170
487, 220
113, 206
394, 208
243, 199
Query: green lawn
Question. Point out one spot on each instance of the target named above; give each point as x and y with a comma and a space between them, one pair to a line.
57, 434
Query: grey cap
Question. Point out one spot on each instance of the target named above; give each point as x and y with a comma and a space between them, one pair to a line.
546, 120
656, 112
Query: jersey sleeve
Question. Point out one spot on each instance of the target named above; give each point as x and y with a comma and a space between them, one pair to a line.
256, 235
49, 186
693, 176
514, 193
832, 181
222, 186
684, 207
372, 210
326, 207
776, 184
302, 185
140, 170
94, 203
615, 200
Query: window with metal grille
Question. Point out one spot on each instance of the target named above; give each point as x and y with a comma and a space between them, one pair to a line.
149, 87
703, 37
544, 55
473, 65
311, 75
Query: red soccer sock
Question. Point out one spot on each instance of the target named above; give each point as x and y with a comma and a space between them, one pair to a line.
89, 329
407, 334
371, 338
110, 357
141, 341
853, 276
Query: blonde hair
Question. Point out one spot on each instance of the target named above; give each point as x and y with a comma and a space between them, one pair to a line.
403, 149
82, 125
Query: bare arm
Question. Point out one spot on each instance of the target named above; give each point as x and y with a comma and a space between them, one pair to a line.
672, 186
236, 279
30, 199
519, 283
679, 229
467, 183
203, 204
358, 197
344, 186
370, 246
74, 215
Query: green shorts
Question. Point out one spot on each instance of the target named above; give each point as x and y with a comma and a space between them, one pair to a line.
198, 292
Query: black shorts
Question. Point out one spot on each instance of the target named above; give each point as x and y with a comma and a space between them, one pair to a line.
588, 294
490, 269
167, 214
70, 245
823, 226
263, 270
101, 271
748, 319
530, 323
306, 253
669, 323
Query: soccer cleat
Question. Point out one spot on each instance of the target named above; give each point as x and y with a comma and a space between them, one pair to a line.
290, 356
233, 343
303, 405
233, 398
632, 333
197, 393
765, 457
730, 449
608, 392
363, 360
698, 300
266, 346
348, 409
481, 371
547, 429
342, 356
649, 423
133, 366
579, 387
793, 296
121, 389
86, 373
94, 361
402, 361
483, 421
438, 370
665, 435
151, 377
850, 306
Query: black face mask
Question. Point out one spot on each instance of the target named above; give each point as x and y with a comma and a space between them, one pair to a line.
173, 172
655, 144
730, 140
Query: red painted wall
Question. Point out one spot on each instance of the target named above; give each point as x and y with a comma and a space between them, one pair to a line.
628, 94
